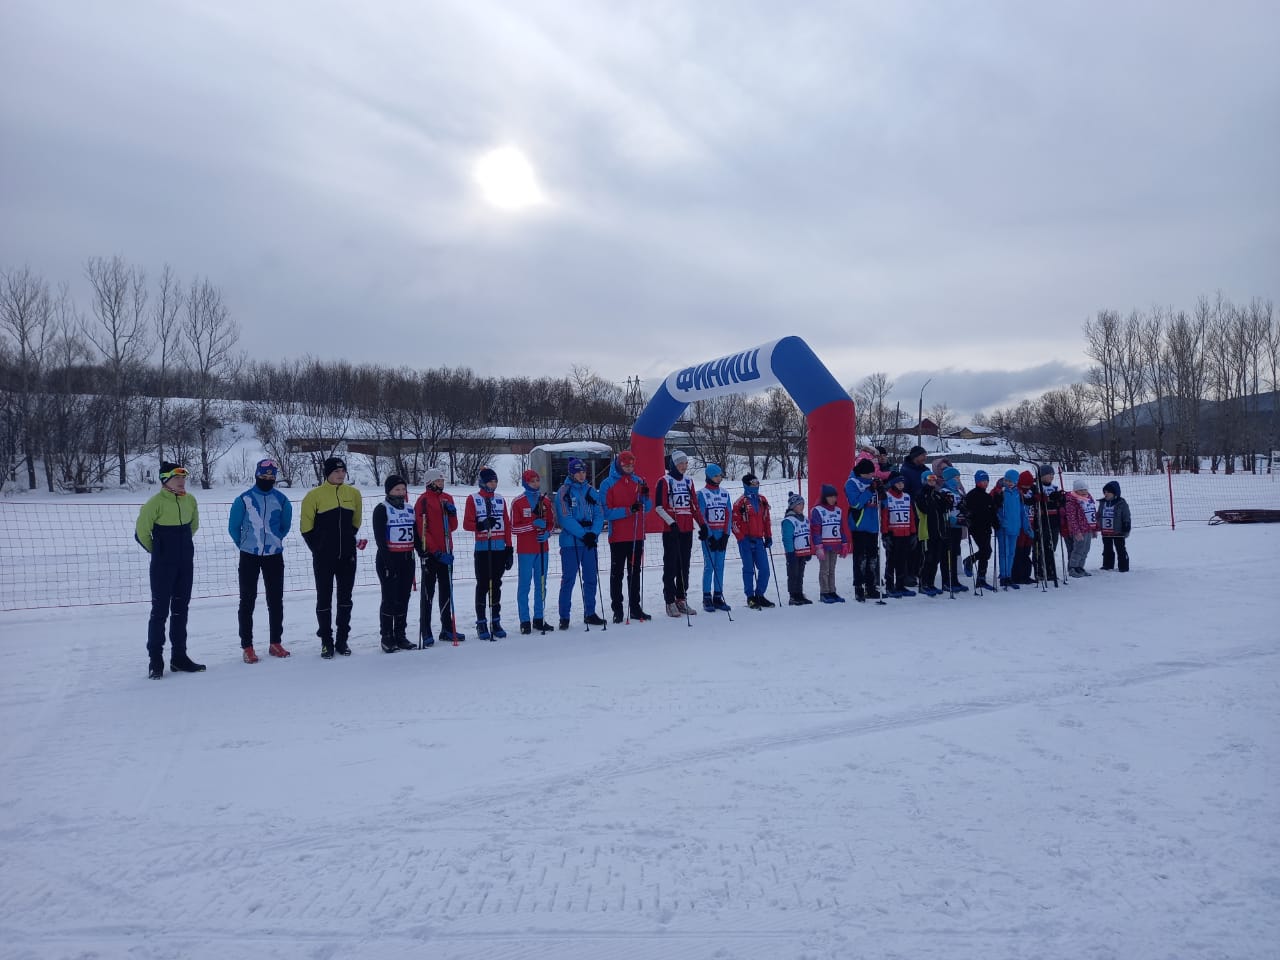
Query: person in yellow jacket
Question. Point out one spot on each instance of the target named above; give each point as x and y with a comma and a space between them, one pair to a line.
165, 528
330, 519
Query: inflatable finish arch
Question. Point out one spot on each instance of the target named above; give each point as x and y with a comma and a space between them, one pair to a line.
787, 362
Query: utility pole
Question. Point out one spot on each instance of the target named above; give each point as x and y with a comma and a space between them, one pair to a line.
920, 415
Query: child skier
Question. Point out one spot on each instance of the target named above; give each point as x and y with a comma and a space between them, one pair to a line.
952, 495
1011, 521
863, 493
931, 508
1023, 569
1114, 523
580, 516
1080, 517
753, 529
533, 519
980, 509
829, 544
796, 541
393, 532
1048, 523
714, 534
486, 515
898, 518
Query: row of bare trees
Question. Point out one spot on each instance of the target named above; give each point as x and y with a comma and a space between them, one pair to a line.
86, 390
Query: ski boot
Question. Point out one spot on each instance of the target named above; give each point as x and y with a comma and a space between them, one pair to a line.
708, 604
277, 650
593, 620
526, 627
248, 654
542, 626
718, 600
181, 663
495, 628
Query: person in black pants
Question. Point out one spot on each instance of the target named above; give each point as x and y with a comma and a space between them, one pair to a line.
912, 470
260, 520
980, 510
393, 533
435, 518
331, 515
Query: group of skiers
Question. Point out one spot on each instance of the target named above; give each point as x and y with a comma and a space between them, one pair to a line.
927, 522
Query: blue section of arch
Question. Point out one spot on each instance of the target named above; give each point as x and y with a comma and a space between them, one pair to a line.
797, 368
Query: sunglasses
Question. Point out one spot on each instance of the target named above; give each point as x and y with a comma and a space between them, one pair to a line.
268, 465
175, 472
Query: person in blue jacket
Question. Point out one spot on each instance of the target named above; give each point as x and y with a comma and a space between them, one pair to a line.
261, 518
862, 491
1011, 518
715, 505
580, 517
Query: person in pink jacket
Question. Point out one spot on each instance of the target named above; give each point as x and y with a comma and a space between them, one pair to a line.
1080, 518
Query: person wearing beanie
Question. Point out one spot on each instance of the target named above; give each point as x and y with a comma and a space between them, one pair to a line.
1080, 524
1012, 521
951, 493
932, 506
826, 530
797, 540
533, 520
898, 519
980, 511
332, 513
1023, 567
913, 469
715, 505
580, 516
1114, 523
753, 529
676, 504
260, 519
165, 528
393, 532
486, 516
863, 491
625, 498
435, 518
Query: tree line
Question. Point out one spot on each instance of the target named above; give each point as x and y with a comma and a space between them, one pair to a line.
1163, 384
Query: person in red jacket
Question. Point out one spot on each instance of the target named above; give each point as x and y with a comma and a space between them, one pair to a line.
486, 515
626, 500
898, 521
533, 519
753, 529
435, 518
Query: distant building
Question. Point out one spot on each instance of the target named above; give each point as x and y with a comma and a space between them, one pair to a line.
925, 428
971, 432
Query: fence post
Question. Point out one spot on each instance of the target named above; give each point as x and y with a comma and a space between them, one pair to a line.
1168, 469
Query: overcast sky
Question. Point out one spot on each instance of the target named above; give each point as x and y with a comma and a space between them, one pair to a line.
941, 189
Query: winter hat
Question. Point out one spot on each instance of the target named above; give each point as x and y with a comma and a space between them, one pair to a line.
1111, 487
896, 478
1011, 476
1045, 468
881, 451
1079, 484
170, 470
333, 463
927, 476
748, 479
266, 468
679, 456
1025, 479
864, 467
916, 452
981, 477
575, 465
793, 498
433, 475
530, 476
626, 459
940, 464
714, 473
828, 491
950, 473
393, 481
488, 475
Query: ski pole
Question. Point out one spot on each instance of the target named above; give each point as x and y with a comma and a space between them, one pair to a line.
582, 585
448, 540
717, 575
599, 588
774, 567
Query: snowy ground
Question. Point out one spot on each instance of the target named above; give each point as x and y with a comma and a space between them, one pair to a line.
1087, 773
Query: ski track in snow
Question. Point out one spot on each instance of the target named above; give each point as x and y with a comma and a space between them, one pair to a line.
1086, 774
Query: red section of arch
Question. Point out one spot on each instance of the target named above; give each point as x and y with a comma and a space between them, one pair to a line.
831, 432
651, 464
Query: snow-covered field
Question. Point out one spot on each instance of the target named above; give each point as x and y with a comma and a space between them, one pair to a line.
1085, 773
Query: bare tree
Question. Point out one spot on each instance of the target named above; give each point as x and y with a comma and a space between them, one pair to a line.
871, 398
211, 336
1102, 338
121, 336
26, 314
942, 415
1184, 360
169, 345
781, 422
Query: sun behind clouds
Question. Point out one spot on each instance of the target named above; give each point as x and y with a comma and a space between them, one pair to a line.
507, 179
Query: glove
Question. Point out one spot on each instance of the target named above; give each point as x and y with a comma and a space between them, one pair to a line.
644, 490
819, 552
720, 544
444, 557
485, 524
673, 527
508, 558
637, 507
450, 509
702, 534
589, 540
768, 542
543, 537
844, 549
540, 524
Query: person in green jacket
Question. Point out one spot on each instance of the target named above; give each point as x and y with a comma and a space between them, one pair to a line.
166, 525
